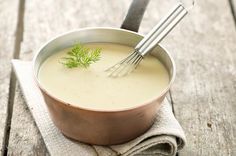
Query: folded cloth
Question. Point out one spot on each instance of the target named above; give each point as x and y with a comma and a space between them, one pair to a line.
165, 137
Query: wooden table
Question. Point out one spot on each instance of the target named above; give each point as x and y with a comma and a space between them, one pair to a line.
203, 46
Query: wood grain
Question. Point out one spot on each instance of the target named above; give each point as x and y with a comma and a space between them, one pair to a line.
41, 23
204, 91
203, 46
8, 18
49, 22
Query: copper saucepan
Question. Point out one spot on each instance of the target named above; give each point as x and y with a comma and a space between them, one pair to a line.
96, 126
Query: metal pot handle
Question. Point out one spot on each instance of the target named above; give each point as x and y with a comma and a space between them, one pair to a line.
135, 14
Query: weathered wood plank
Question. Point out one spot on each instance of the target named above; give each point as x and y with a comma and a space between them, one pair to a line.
41, 26
43, 22
8, 16
205, 87
202, 46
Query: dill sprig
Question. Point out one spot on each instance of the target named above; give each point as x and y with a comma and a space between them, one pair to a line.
80, 56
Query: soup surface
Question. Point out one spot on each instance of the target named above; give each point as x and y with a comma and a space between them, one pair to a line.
92, 88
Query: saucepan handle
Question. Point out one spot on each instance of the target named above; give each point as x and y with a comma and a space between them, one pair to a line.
135, 15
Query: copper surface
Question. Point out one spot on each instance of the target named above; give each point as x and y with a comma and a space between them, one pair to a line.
101, 128
97, 126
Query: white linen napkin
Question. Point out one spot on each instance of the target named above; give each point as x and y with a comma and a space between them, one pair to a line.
165, 137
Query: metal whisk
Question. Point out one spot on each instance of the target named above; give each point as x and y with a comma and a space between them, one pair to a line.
131, 62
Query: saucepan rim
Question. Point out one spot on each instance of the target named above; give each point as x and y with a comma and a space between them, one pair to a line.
147, 102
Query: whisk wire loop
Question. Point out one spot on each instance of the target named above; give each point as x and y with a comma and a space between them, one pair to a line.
145, 46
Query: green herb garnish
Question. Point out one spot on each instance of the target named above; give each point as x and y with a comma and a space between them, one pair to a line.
80, 56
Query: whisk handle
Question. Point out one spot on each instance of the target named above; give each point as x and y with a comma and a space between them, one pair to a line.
161, 29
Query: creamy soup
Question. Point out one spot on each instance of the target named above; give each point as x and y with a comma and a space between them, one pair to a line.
92, 88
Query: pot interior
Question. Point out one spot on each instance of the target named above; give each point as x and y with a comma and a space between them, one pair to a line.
91, 35
95, 35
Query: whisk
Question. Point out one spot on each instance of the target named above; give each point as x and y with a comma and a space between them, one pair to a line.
131, 62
